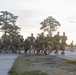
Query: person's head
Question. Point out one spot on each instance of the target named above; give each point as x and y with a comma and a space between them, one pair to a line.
42, 33
31, 34
63, 33
58, 33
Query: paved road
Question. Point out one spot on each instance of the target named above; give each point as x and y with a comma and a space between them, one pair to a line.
6, 62
68, 55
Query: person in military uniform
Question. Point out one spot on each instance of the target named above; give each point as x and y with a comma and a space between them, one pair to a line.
32, 43
41, 42
26, 45
63, 42
57, 38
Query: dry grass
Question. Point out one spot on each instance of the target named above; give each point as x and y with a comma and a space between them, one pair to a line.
71, 61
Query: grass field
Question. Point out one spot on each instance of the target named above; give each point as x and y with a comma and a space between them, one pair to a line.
42, 65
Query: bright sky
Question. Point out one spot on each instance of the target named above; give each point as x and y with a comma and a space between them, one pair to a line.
32, 12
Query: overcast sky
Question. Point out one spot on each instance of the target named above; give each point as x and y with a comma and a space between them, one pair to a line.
32, 12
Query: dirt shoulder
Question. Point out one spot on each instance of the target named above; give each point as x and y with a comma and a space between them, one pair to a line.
42, 65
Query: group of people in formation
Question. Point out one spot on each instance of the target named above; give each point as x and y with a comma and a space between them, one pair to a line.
40, 44
46, 44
